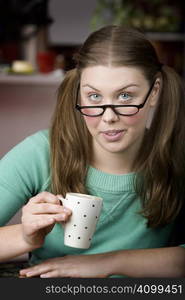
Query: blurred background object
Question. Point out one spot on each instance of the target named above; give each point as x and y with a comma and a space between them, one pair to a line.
70, 27
43, 31
22, 67
162, 21
23, 29
45, 61
38, 31
38, 39
153, 15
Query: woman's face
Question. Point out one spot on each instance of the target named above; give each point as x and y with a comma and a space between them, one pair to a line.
102, 85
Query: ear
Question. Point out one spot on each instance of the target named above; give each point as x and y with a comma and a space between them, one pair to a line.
155, 92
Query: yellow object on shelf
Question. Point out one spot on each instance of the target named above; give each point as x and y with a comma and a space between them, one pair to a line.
22, 67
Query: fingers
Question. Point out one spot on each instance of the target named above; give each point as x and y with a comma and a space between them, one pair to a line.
52, 274
47, 208
40, 223
37, 270
39, 216
45, 197
46, 203
34, 222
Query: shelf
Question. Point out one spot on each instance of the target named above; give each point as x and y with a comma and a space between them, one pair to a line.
166, 36
37, 79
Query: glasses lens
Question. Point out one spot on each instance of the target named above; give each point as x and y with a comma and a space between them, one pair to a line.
96, 111
130, 110
91, 111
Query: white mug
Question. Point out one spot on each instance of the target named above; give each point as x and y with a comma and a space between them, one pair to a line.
79, 229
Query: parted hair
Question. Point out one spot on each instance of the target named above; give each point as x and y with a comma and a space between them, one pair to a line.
160, 161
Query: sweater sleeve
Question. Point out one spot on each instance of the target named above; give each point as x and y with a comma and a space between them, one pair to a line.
24, 172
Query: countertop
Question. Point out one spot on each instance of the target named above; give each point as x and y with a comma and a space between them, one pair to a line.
53, 78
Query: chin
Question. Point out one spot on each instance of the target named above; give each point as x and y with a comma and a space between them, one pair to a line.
114, 148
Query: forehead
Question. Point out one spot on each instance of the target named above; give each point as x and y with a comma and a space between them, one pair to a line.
100, 76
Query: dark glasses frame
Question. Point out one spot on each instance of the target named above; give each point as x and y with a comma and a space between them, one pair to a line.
113, 107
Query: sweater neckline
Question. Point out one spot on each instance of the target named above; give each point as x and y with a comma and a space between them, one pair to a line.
110, 182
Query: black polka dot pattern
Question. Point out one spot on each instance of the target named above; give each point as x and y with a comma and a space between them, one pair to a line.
85, 227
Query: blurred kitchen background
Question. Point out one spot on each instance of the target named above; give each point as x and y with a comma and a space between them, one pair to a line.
37, 42
38, 39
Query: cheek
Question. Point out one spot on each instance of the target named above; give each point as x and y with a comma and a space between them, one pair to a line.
91, 123
132, 120
139, 119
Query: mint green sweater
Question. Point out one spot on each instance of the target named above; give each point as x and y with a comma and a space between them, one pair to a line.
24, 172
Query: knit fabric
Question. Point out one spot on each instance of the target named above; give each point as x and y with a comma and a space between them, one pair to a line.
25, 172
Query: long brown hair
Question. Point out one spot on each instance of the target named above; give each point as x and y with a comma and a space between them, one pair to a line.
160, 163
69, 139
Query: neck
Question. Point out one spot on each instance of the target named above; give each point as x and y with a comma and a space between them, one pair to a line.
113, 163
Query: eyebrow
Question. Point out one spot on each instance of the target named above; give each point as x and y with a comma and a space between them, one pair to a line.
124, 87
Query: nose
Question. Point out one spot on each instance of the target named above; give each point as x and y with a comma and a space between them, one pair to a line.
109, 115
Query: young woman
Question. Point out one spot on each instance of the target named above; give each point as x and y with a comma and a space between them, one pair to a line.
118, 133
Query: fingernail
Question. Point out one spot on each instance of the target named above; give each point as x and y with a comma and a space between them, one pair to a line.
29, 274
43, 275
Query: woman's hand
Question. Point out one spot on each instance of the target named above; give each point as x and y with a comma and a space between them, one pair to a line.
39, 216
78, 266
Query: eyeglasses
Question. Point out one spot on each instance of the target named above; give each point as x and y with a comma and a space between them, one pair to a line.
123, 110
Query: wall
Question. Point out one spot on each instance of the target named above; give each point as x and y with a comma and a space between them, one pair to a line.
71, 21
24, 109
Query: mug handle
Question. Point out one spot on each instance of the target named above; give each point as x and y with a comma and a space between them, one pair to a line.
62, 200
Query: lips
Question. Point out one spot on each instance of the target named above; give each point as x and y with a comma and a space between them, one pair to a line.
113, 135
112, 132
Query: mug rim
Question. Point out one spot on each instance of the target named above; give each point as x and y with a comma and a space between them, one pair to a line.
80, 195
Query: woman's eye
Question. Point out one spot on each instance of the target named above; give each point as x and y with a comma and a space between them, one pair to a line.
94, 97
124, 96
